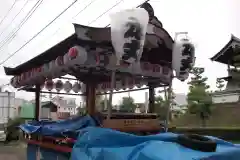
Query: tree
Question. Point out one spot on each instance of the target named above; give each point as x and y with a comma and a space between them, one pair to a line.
98, 99
159, 101
81, 111
160, 107
103, 106
219, 84
162, 104
199, 99
127, 105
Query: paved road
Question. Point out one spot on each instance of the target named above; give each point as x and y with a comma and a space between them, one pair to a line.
12, 152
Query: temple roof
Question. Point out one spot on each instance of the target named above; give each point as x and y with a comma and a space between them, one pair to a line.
226, 54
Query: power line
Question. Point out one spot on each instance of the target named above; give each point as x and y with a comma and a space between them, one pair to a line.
25, 19
84, 8
105, 12
136, 7
8, 12
75, 15
11, 55
15, 17
69, 20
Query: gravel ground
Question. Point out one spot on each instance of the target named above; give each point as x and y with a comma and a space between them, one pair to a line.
13, 151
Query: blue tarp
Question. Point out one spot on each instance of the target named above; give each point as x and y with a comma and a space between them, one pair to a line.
58, 127
105, 144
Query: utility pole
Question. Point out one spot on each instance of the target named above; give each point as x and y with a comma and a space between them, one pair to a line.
9, 103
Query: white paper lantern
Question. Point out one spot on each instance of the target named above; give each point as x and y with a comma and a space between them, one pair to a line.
76, 55
58, 67
53, 69
30, 78
36, 76
128, 30
49, 85
18, 81
13, 82
22, 79
59, 85
76, 87
46, 72
67, 86
183, 58
82, 87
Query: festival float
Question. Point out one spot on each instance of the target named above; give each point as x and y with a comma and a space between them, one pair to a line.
135, 51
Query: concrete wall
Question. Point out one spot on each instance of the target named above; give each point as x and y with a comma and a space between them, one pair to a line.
7, 106
225, 98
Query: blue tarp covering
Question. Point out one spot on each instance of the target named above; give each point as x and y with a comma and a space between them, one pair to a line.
105, 144
58, 127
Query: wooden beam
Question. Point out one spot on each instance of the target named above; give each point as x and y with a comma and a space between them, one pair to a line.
37, 102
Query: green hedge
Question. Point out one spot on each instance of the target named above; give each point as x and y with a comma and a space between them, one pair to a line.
223, 133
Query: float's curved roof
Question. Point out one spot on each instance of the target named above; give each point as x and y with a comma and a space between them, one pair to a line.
157, 49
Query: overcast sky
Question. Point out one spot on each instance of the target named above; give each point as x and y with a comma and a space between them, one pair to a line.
209, 23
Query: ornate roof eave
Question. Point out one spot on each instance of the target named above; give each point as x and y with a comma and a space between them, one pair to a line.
44, 57
226, 53
226, 78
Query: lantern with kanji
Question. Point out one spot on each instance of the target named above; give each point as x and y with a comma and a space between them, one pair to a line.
49, 85
183, 57
128, 31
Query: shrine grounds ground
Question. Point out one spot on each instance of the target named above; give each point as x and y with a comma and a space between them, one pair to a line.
13, 151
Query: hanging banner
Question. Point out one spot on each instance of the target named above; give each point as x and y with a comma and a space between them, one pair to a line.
183, 58
128, 31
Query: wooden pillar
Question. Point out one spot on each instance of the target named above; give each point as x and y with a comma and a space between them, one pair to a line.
151, 103
37, 103
90, 98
